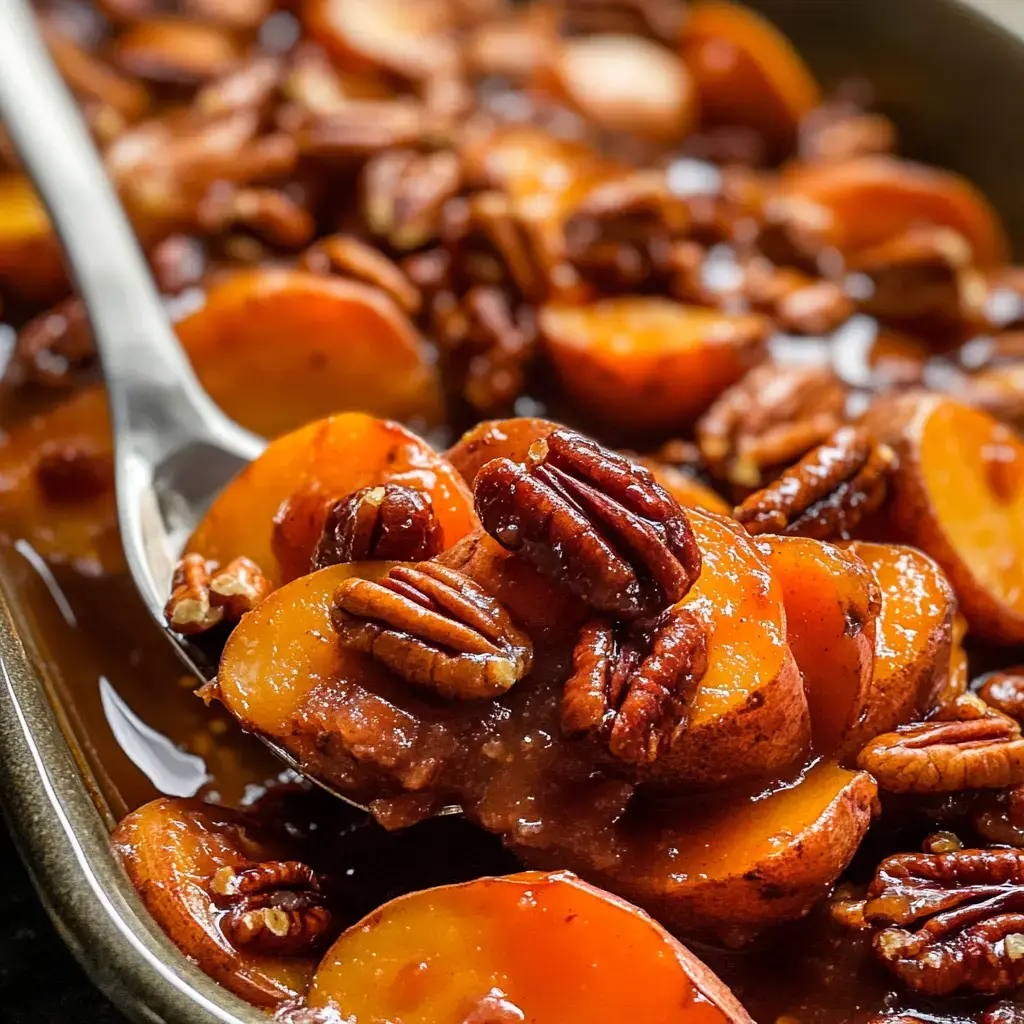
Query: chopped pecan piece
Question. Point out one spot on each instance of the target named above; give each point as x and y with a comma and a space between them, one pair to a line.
404, 192
594, 522
771, 417
827, 493
435, 628
951, 920
1005, 691
631, 687
270, 214
387, 523
945, 757
274, 908
797, 302
204, 595
348, 256
999, 818
56, 348
362, 128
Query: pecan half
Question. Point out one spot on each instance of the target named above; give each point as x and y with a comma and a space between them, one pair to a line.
435, 628
952, 920
630, 687
56, 348
204, 595
1005, 691
945, 757
592, 521
274, 908
827, 493
773, 416
388, 523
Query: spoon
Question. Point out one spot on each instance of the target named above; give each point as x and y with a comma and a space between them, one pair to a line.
174, 449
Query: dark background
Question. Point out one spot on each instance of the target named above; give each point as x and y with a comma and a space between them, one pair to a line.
40, 981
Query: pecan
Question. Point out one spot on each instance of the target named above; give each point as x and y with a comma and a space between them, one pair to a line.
631, 686
404, 192
999, 817
270, 214
435, 628
662, 20
771, 417
56, 348
204, 594
593, 521
827, 493
951, 920
388, 523
175, 52
348, 256
796, 302
945, 757
70, 475
274, 908
1003, 1013
363, 128
1005, 691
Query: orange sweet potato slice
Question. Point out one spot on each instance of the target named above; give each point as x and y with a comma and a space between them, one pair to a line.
913, 637
496, 439
749, 714
648, 363
832, 605
57, 485
170, 850
30, 257
868, 200
729, 867
747, 73
277, 348
485, 950
958, 494
305, 471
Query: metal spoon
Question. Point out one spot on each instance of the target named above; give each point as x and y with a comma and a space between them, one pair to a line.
174, 449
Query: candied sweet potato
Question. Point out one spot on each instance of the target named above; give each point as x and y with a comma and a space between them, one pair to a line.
485, 950
57, 484
747, 73
30, 258
913, 639
273, 511
171, 850
496, 439
749, 714
277, 348
865, 201
832, 605
648, 363
958, 494
728, 868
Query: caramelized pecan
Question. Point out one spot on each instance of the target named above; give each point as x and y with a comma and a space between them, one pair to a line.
593, 521
945, 757
999, 817
55, 349
827, 493
1005, 691
274, 908
204, 595
73, 475
770, 418
796, 302
270, 214
630, 687
952, 920
435, 628
388, 523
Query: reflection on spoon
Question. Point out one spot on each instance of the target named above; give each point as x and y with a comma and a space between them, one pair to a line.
173, 771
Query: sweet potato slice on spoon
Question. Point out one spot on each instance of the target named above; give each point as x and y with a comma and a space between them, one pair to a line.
546, 948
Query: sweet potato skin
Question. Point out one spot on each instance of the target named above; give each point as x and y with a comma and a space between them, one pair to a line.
943, 502
506, 932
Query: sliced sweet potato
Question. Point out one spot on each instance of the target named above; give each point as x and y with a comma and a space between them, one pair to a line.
272, 512
832, 605
277, 348
171, 849
496, 439
729, 868
648, 363
624, 83
686, 489
865, 201
30, 257
484, 950
57, 485
958, 494
747, 73
913, 638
